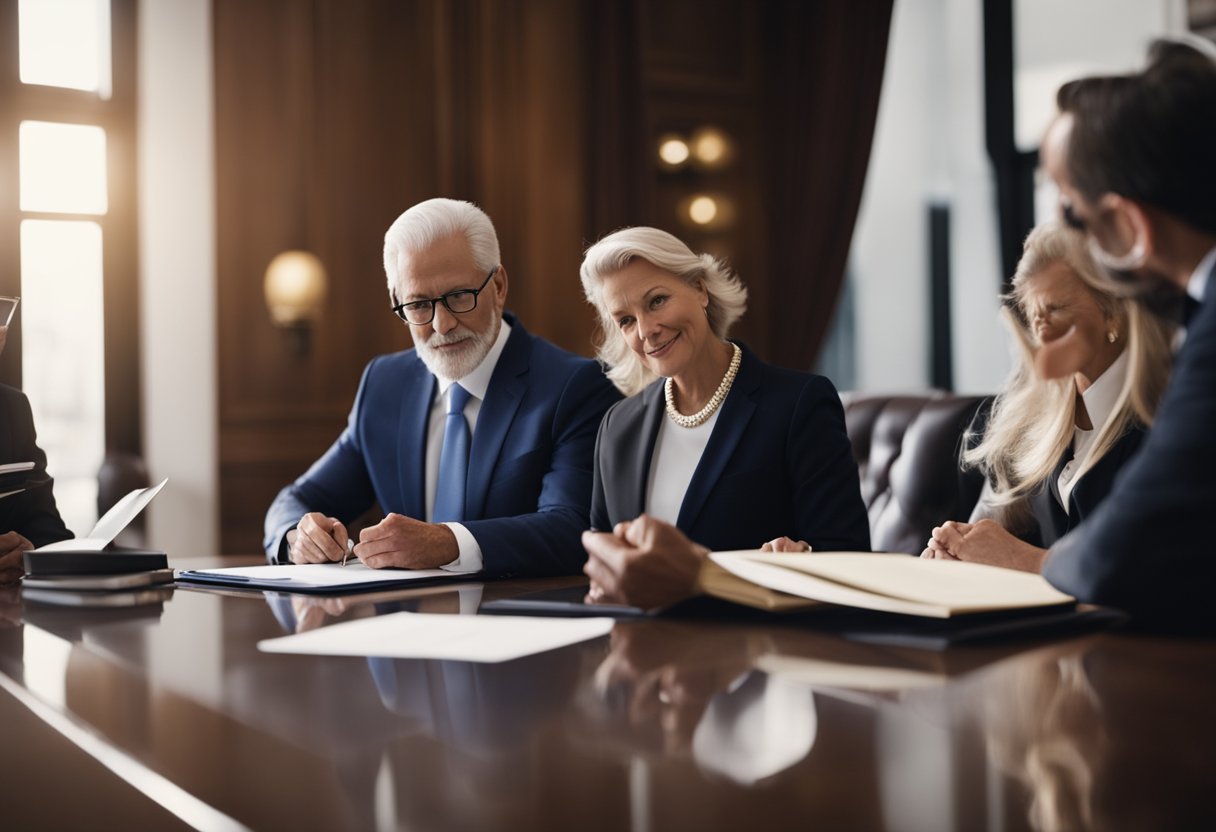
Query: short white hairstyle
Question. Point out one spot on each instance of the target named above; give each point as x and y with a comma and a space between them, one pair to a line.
727, 294
437, 219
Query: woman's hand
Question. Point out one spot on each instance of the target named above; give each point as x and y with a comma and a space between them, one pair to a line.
643, 563
785, 544
983, 542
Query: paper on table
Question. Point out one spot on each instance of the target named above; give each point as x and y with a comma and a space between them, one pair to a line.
467, 638
110, 524
321, 574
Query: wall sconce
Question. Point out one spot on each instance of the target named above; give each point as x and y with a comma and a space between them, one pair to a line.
711, 148
707, 211
673, 151
295, 288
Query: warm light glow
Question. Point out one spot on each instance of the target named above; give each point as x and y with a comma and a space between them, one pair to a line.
295, 287
63, 168
702, 210
673, 150
63, 370
711, 147
65, 43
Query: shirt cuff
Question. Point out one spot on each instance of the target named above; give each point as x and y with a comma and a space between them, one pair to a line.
470, 559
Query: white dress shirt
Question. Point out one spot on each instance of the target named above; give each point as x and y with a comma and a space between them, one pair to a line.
1099, 401
677, 451
1198, 283
476, 383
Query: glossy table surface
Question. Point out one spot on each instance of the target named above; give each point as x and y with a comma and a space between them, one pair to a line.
664, 724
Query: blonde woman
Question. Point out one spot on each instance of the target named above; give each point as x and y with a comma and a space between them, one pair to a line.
1053, 446
733, 452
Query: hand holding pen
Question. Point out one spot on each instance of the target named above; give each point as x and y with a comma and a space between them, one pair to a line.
319, 539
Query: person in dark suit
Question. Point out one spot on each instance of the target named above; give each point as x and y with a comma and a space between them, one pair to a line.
735, 453
28, 518
1051, 447
1134, 157
477, 443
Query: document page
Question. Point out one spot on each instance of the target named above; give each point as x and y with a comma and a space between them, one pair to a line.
467, 638
320, 574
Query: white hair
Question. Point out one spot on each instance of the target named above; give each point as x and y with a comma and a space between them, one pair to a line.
431, 221
727, 294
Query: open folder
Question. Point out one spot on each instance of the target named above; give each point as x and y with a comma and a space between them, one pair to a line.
317, 578
874, 581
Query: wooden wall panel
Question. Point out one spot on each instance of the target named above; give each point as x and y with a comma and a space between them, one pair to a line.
332, 117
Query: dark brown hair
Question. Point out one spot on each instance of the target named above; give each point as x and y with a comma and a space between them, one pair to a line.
1149, 136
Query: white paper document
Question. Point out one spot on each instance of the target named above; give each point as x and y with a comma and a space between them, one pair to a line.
316, 576
110, 524
466, 638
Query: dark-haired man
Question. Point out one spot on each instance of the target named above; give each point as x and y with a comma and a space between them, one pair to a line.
1134, 157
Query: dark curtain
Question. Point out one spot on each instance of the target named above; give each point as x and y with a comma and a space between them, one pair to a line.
826, 76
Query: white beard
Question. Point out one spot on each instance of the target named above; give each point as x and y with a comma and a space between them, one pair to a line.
458, 363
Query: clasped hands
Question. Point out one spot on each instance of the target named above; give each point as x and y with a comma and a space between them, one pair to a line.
984, 541
396, 541
12, 567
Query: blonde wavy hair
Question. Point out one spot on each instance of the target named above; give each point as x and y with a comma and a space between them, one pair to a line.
727, 294
1032, 420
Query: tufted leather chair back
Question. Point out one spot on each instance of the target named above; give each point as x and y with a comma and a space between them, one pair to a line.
907, 451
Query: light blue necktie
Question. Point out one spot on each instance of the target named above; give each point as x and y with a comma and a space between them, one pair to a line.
453, 459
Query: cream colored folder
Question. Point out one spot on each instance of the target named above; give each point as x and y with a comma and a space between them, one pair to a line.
873, 581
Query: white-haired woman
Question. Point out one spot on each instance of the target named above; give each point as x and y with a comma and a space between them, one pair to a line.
735, 453
1057, 436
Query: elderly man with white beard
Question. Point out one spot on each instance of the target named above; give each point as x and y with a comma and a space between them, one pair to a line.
477, 444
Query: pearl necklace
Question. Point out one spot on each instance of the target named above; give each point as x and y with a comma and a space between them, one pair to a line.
715, 401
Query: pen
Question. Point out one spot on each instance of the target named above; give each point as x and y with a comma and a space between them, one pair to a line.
350, 547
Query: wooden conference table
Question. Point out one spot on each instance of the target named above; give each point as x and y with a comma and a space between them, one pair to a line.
168, 716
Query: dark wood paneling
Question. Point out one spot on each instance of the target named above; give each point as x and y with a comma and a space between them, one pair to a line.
333, 117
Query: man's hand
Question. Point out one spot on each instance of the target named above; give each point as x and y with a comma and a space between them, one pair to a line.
984, 542
317, 539
644, 563
785, 544
407, 543
11, 566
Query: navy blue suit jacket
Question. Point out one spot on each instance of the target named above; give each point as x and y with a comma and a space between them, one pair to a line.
1052, 522
1150, 548
529, 481
778, 462
31, 513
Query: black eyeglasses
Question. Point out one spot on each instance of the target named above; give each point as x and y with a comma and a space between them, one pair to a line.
458, 301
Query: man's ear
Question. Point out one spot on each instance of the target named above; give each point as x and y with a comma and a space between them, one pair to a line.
500, 287
1133, 222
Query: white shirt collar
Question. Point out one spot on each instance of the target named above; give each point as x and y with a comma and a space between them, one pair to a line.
1101, 396
1199, 279
478, 381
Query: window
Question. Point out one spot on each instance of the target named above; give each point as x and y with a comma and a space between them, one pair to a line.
67, 235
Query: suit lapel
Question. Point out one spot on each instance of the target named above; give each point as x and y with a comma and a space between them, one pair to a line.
417, 393
732, 422
507, 387
637, 450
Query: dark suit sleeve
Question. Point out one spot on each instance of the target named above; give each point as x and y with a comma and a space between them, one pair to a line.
1150, 548
548, 541
827, 488
337, 485
31, 513
599, 500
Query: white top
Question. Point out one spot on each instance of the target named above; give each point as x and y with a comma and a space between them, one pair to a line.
1199, 279
476, 383
1100, 404
677, 451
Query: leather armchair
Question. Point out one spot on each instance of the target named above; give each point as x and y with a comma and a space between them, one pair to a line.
907, 451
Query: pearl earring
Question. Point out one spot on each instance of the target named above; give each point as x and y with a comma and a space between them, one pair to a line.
1112, 336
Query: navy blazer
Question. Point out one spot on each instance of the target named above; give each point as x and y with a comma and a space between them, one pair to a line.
1051, 521
529, 481
32, 513
1150, 548
778, 462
